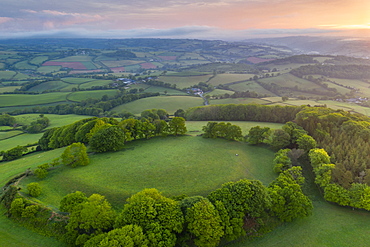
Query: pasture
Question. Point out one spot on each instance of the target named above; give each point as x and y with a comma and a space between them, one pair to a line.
174, 165
251, 86
94, 83
184, 81
169, 103
26, 99
229, 78
8, 89
48, 69
96, 94
237, 101
49, 85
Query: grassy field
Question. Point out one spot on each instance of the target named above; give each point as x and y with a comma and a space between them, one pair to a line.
50, 85
25, 65
48, 69
74, 80
174, 165
95, 94
251, 86
7, 75
75, 59
289, 80
9, 134
25, 99
237, 101
8, 89
55, 120
184, 82
229, 78
169, 103
39, 60
93, 83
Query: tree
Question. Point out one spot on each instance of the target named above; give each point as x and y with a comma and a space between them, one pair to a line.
180, 113
177, 126
107, 139
288, 200
306, 142
14, 153
279, 139
75, 155
245, 200
257, 135
34, 189
204, 222
281, 161
70, 201
129, 235
89, 218
160, 217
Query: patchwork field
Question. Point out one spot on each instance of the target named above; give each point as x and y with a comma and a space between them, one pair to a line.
25, 99
229, 78
96, 94
184, 82
169, 103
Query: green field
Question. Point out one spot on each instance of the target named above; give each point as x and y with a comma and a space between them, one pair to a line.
229, 78
39, 60
174, 165
169, 103
90, 84
7, 75
251, 86
48, 69
75, 80
22, 140
26, 99
25, 65
55, 120
121, 63
75, 59
184, 82
9, 134
237, 101
8, 89
50, 85
95, 94
289, 80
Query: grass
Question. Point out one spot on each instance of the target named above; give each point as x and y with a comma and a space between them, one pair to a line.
50, 85
25, 99
95, 94
169, 103
237, 101
229, 78
7, 75
39, 60
48, 69
20, 76
74, 80
90, 84
217, 92
121, 63
75, 59
9, 134
8, 89
184, 82
55, 120
25, 65
289, 80
251, 86
22, 140
174, 165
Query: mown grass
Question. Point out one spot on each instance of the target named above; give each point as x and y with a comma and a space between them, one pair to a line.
169, 103
174, 165
95, 94
9, 134
25, 99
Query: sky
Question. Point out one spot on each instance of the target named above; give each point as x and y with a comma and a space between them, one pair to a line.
207, 19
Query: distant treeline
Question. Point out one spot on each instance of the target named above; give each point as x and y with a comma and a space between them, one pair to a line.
336, 71
250, 112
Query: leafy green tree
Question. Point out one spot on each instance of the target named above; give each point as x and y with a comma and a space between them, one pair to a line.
337, 194
233, 132
107, 139
71, 201
30, 211
318, 157
160, 217
281, 161
323, 174
209, 130
288, 200
161, 127
7, 120
306, 142
17, 206
129, 235
177, 126
257, 135
14, 153
89, 219
75, 155
279, 139
242, 200
34, 189
204, 222
180, 113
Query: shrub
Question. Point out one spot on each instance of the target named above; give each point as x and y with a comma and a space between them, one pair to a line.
34, 189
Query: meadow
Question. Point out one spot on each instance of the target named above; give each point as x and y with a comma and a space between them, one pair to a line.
229, 78
96, 94
26, 99
184, 82
174, 165
169, 103
251, 86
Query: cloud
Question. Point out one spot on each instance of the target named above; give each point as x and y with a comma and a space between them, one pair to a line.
5, 19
